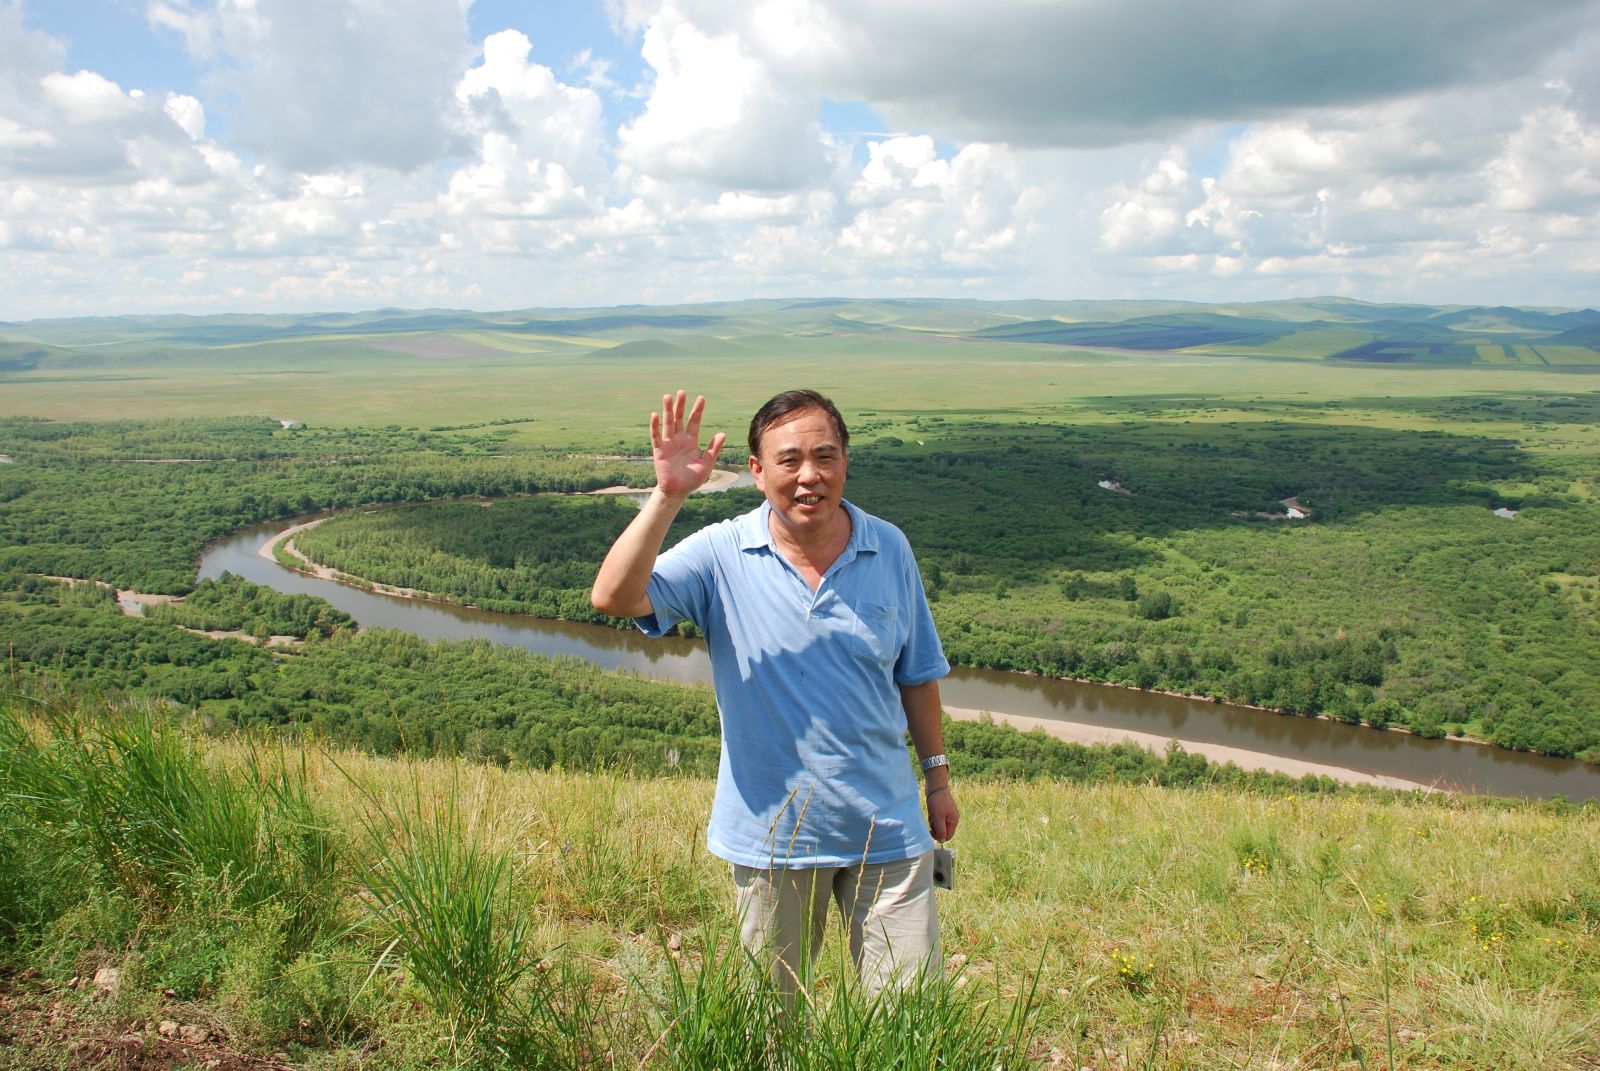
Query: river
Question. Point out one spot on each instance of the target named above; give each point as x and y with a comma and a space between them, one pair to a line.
1451, 764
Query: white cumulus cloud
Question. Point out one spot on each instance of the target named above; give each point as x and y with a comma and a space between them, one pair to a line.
316, 84
188, 113
538, 140
80, 127
1099, 72
716, 116
920, 213
1409, 193
86, 97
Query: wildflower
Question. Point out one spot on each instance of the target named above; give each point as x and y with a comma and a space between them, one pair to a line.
1130, 970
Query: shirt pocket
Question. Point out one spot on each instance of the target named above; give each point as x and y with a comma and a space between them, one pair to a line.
876, 635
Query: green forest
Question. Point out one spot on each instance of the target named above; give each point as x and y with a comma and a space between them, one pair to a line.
133, 503
232, 604
1402, 599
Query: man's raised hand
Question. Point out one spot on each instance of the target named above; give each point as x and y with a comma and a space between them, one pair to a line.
675, 446
622, 585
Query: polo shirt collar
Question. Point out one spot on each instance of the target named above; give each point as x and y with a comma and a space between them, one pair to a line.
755, 533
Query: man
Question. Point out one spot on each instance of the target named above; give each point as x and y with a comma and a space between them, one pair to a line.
823, 654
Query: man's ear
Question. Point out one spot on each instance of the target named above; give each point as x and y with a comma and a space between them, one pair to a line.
755, 469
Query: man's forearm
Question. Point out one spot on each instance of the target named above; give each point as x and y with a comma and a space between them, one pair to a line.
621, 586
924, 718
924, 712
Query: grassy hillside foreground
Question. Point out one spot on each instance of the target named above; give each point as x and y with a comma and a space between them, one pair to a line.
335, 910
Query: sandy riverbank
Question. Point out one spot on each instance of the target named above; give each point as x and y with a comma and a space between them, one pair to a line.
720, 480
1077, 733
132, 602
285, 538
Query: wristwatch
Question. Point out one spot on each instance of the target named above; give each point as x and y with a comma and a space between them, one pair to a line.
933, 762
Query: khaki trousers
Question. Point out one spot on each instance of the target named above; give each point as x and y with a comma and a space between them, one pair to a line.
889, 909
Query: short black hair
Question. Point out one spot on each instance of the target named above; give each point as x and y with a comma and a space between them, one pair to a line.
792, 401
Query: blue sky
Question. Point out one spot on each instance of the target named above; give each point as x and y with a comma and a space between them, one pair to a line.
115, 39
256, 155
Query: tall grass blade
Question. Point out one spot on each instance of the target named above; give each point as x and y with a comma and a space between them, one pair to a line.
442, 900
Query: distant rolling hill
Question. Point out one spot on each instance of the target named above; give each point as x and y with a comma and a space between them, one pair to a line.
1175, 332
24, 356
1326, 328
1587, 335
1329, 329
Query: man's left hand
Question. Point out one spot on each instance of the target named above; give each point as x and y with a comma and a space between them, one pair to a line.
943, 814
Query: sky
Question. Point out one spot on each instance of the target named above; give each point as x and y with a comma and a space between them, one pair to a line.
207, 156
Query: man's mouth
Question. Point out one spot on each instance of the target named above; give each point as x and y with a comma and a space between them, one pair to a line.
808, 500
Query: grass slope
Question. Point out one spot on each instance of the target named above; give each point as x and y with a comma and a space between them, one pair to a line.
437, 913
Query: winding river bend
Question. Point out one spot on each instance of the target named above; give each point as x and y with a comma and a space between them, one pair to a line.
1446, 763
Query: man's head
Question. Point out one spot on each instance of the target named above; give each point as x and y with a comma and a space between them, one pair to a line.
798, 455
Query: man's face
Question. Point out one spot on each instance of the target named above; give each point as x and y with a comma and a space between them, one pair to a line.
801, 470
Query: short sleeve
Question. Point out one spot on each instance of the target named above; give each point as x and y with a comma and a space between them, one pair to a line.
922, 658
680, 586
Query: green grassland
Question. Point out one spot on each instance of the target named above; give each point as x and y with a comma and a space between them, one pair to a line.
575, 375
600, 400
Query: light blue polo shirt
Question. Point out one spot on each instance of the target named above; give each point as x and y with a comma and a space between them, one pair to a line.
814, 768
